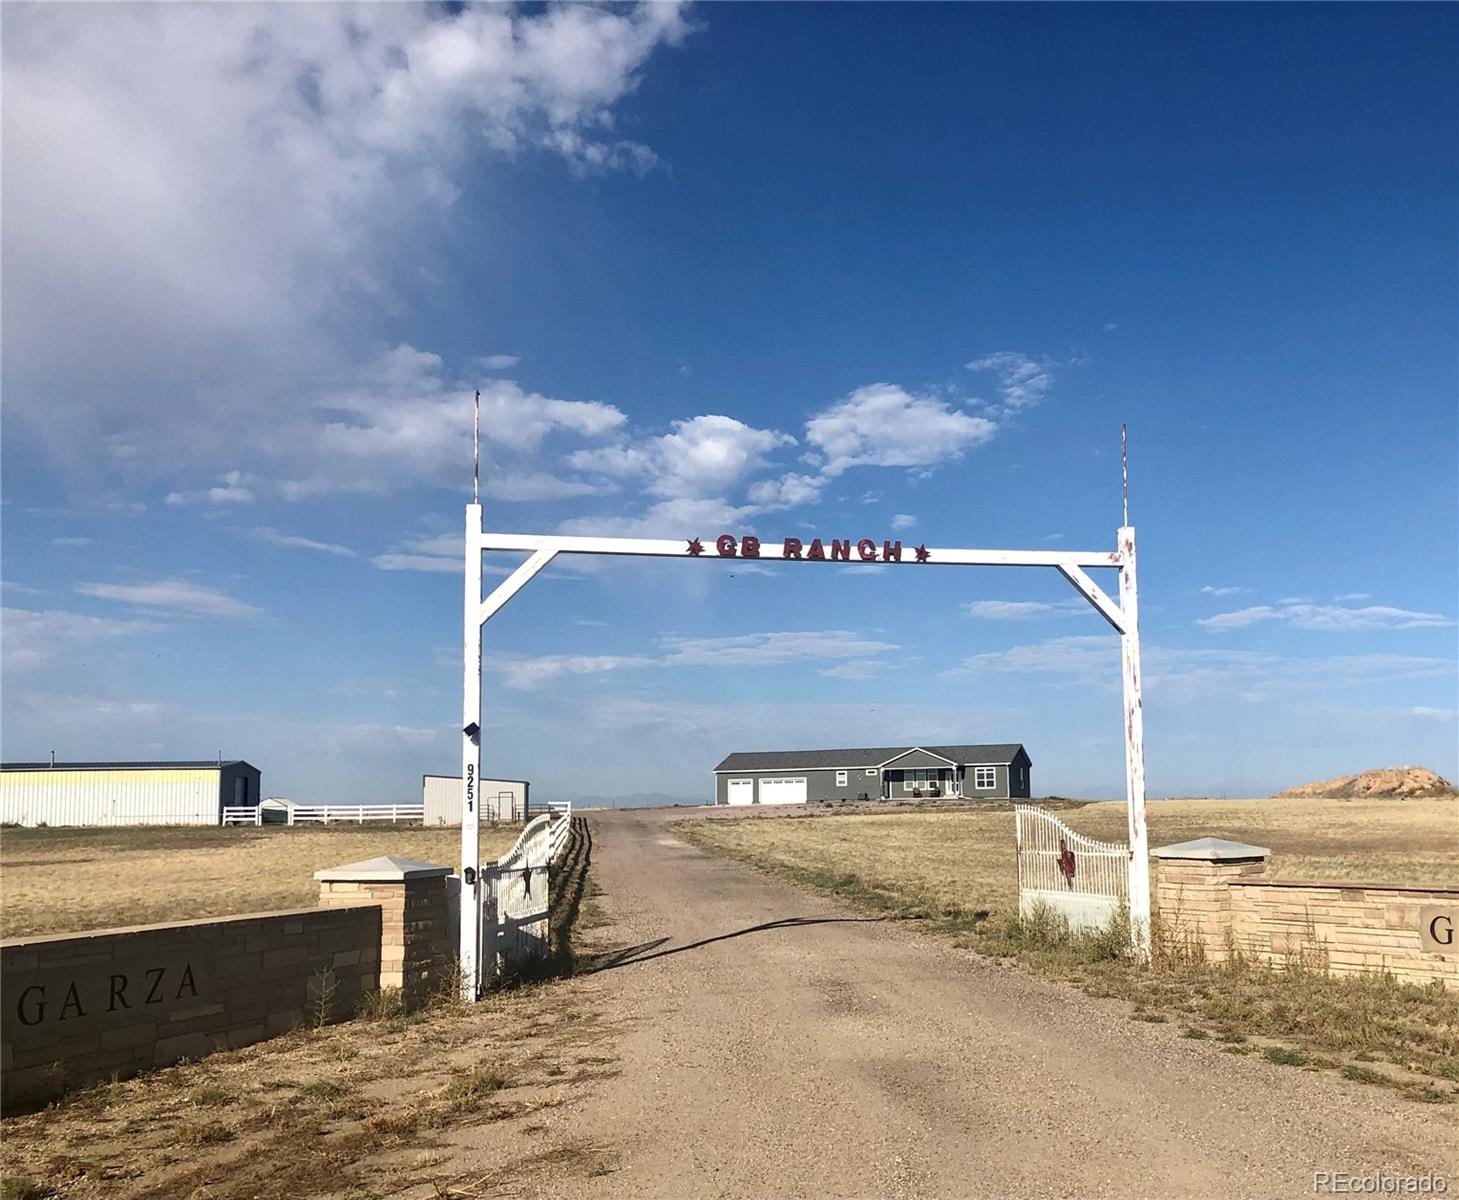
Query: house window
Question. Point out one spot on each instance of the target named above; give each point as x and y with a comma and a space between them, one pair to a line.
840, 778
985, 778
871, 770
909, 780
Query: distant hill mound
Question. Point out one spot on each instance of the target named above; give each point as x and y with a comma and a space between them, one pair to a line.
1392, 783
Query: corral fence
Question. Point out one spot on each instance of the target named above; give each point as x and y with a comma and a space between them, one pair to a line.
515, 895
1085, 880
324, 814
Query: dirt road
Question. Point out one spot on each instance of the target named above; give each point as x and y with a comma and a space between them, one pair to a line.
778, 1045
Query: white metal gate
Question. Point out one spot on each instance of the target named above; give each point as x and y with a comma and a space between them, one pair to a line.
515, 895
1085, 880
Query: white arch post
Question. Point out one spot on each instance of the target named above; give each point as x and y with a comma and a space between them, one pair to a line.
1123, 617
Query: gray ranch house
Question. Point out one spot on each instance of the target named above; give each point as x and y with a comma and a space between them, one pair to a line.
998, 772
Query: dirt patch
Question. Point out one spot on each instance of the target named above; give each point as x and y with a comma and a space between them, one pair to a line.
1392, 783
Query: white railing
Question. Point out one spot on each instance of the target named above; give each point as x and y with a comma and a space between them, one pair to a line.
326, 814
329, 814
515, 898
1084, 879
241, 815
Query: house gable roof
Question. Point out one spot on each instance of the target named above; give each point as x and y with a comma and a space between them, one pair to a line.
917, 756
864, 756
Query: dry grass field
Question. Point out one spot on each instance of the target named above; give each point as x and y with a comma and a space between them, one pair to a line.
955, 862
955, 871
67, 880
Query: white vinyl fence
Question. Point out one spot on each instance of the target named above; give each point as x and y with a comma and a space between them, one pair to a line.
515, 895
330, 814
1072, 874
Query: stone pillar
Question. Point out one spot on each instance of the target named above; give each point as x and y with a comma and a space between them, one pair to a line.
416, 953
1192, 891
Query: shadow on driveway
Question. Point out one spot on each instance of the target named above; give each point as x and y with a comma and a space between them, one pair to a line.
591, 964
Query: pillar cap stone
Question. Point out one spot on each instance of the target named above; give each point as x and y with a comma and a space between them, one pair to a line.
385, 869
1212, 849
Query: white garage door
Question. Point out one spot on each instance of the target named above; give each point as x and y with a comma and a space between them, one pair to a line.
782, 791
741, 791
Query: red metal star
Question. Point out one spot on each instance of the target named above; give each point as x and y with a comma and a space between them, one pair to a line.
923, 554
696, 546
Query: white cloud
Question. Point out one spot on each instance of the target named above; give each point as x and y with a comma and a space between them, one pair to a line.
172, 595
1327, 617
499, 362
404, 422
369, 735
770, 649
884, 425
34, 638
231, 491
443, 552
70, 541
418, 562
1022, 610
743, 650
789, 491
668, 518
528, 673
857, 669
1094, 661
903, 521
1111, 326
1022, 381
702, 457
233, 487
1227, 590
258, 171
275, 538
1353, 596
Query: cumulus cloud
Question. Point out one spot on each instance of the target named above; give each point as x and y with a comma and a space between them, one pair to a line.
903, 521
172, 595
885, 425
252, 172
705, 456
233, 487
1023, 381
498, 362
1327, 617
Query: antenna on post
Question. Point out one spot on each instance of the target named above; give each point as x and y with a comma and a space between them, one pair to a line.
476, 450
1125, 471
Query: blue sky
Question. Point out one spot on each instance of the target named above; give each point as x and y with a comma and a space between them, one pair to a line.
849, 271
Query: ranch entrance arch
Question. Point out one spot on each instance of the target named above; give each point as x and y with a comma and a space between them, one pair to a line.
1123, 616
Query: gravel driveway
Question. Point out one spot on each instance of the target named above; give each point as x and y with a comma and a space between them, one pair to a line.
776, 1044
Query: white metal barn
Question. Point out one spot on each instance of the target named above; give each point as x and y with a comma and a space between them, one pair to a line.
124, 793
501, 799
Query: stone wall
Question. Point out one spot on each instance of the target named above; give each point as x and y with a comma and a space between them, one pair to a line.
1214, 894
416, 947
84, 1007
1352, 928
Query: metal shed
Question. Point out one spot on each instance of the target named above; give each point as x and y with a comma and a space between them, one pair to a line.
124, 793
501, 799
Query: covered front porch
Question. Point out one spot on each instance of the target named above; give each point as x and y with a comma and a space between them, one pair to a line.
906, 780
